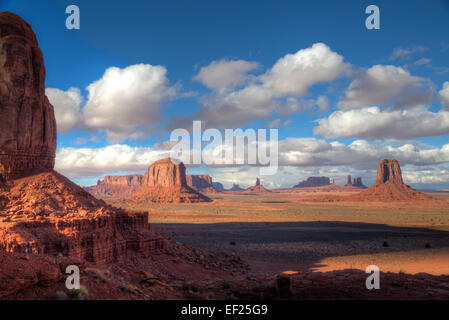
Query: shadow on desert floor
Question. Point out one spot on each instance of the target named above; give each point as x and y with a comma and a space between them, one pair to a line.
320, 245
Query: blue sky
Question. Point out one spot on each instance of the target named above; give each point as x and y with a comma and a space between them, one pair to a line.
411, 50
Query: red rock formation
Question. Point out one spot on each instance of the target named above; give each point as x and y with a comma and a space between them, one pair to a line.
165, 182
389, 185
48, 214
348, 180
258, 188
116, 186
201, 183
388, 170
27, 121
41, 211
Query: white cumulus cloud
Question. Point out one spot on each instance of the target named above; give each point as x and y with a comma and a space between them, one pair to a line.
444, 95
386, 85
372, 123
125, 103
67, 105
225, 73
289, 78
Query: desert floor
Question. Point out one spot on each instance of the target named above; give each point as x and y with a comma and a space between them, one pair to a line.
286, 232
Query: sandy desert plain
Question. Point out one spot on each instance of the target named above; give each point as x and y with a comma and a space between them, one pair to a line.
279, 232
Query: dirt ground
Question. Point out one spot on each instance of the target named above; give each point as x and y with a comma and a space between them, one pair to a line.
279, 232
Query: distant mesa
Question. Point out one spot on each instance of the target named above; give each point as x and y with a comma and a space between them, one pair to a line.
116, 186
389, 185
236, 187
313, 182
201, 183
165, 182
356, 182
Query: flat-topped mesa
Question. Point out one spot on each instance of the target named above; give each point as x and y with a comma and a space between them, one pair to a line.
165, 182
388, 170
128, 180
236, 187
313, 182
27, 121
116, 186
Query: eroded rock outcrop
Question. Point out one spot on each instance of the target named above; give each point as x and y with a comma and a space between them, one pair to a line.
27, 121
389, 185
165, 182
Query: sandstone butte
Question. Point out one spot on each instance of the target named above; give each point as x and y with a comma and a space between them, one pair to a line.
257, 188
389, 186
165, 182
41, 211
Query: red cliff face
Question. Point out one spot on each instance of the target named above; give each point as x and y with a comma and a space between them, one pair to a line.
41, 211
165, 182
27, 121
